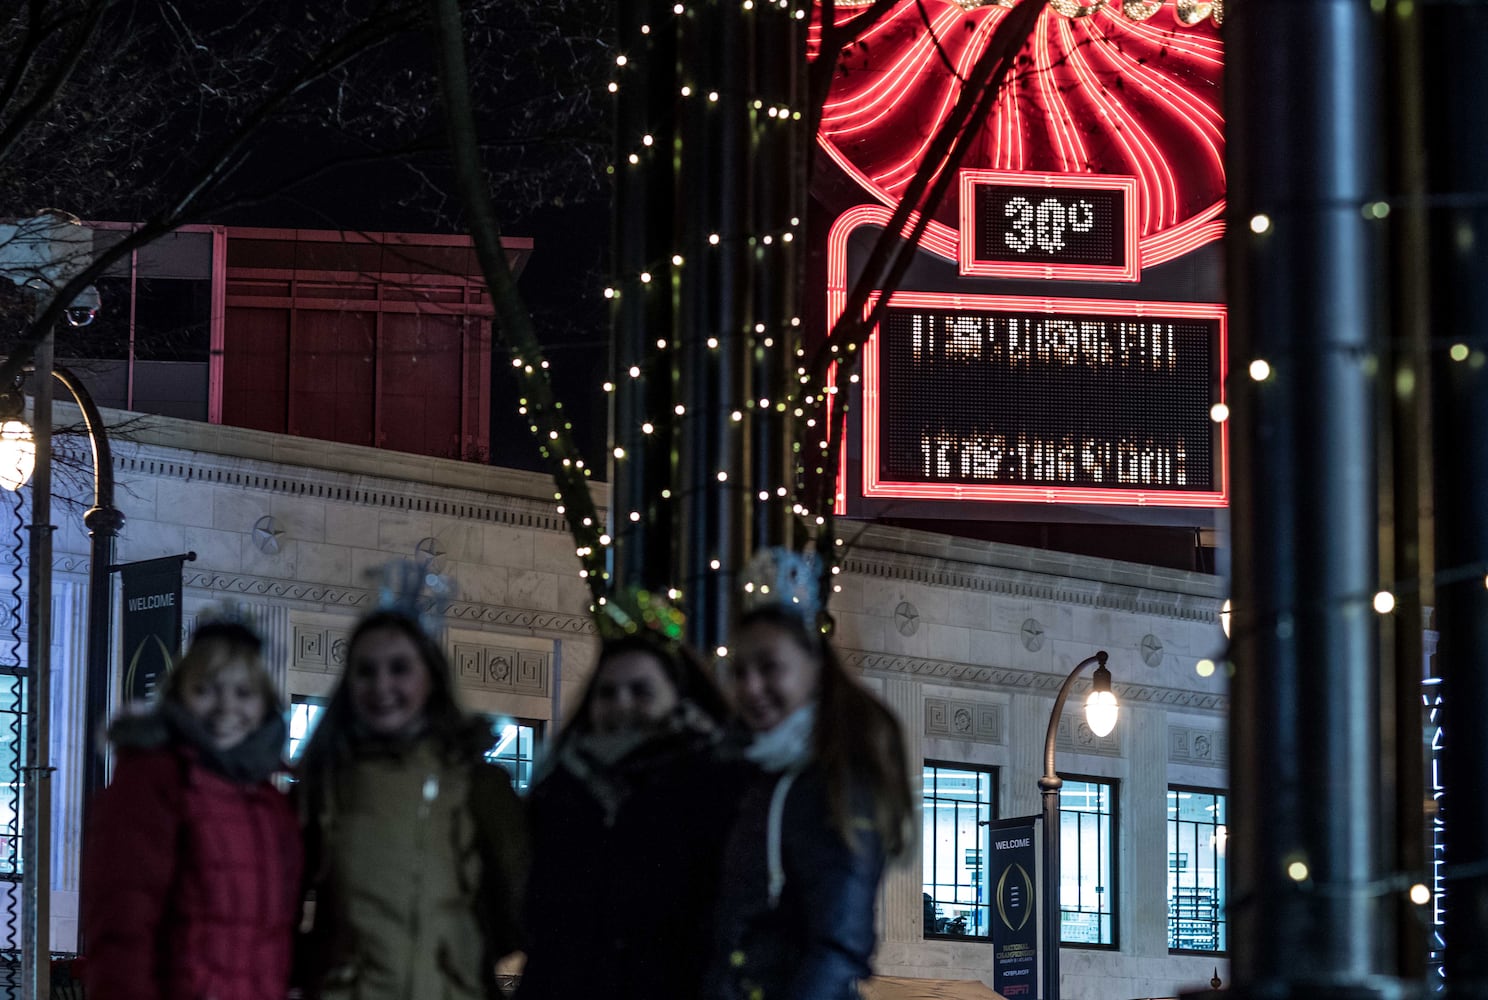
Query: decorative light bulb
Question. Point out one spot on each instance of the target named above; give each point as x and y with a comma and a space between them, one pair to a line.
1101, 707
1101, 710
17, 454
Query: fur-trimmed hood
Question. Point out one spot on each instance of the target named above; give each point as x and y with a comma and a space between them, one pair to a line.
258, 756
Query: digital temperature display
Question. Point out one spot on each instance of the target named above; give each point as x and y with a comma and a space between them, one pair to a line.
1049, 226
1062, 226
1089, 401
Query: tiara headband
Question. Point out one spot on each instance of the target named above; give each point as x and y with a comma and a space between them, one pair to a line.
784, 578
632, 611
412, 589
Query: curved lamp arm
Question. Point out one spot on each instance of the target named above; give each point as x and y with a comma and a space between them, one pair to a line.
1051, 778
103, 462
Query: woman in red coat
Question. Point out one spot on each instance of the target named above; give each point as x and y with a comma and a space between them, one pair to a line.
191, 866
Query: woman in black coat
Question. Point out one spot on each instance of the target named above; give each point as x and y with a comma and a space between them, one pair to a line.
628, 817
829, 806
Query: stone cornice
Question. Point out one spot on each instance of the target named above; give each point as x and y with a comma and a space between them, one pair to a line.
1009, 680
339, 487
1080, 583
929, 551
360, 599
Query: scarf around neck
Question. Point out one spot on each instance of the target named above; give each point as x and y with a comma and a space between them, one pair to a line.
789, 746
258, 756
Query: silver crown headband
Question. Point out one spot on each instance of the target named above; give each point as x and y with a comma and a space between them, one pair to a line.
412, 589
785, 578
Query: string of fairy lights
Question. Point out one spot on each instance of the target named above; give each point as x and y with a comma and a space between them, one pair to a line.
812, 410
652, 387
812, 405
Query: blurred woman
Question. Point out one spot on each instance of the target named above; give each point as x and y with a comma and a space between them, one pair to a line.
829, 806
191, 867
415, 848
628, 817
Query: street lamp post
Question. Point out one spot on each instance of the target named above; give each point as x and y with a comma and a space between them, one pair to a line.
1100, 714
103, 521
43, 254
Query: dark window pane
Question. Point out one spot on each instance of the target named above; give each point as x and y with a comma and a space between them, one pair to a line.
172, 320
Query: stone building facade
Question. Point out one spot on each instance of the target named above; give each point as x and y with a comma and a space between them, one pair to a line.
967, 641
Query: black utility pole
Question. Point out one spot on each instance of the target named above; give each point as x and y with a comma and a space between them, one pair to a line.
1455, 109
1304, 150
709, 203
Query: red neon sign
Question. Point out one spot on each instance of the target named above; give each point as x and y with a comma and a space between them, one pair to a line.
1055, 444
1122, 92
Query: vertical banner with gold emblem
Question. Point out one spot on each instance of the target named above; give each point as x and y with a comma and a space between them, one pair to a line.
151, 625
1014, 906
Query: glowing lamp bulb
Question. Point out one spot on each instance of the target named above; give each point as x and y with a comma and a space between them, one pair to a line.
1101, 707
17, 454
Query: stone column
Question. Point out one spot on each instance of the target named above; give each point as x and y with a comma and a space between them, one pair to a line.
272, 620
902, 911
1144, 919
69, 686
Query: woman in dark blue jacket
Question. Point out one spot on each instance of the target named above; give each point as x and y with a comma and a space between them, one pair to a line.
829, 806
628, 817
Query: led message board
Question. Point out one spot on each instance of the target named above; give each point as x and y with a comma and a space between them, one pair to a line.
1089, 401
1031, 225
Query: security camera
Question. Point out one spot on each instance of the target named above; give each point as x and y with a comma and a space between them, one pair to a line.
84, 309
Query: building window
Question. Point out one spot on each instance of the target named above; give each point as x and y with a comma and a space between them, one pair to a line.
516, 743
960, 803
1196, 870
1087, 854
304, 710
12, 785
516, 739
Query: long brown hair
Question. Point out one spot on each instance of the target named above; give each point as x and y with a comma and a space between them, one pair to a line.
858, 742
454, 733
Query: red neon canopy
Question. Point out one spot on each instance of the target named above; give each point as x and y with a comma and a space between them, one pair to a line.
1103, 93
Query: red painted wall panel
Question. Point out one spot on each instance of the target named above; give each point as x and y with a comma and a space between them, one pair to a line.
254, 389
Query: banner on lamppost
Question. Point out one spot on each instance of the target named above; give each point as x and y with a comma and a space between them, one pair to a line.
151, 624
1014, 904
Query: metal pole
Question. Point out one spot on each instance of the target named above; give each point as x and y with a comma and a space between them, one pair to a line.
646, 334
1406, 430
1049, 786
36, 825
1456, 122
1305, 160
103, 521
715, 165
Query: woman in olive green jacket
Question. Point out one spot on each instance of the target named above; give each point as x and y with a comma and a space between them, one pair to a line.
415, 845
